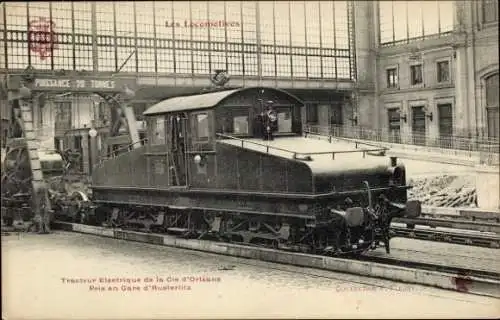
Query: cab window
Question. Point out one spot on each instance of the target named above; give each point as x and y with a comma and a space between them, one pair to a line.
285, 121
240, 125
158, 133
234, 120
201, 126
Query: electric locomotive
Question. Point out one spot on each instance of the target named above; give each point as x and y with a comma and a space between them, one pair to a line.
237, 165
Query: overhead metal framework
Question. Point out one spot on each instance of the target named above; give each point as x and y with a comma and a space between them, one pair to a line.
297, 39
409, 21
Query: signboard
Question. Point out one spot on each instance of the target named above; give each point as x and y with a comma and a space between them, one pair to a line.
74, 84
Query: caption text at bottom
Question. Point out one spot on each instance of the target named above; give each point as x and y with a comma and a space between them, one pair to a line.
125, 284
186, 283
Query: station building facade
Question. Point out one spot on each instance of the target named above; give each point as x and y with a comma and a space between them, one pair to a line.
437, 70
397, 69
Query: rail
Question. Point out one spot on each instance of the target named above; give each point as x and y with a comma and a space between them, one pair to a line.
446, 222
431, 266
456, 237
297, 155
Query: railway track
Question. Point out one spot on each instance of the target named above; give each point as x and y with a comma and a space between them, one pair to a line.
452, 224
474, 281
485, 223
456, 237
484, 216
375, 257
465, 272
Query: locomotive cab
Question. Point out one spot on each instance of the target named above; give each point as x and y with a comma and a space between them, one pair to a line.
187, 129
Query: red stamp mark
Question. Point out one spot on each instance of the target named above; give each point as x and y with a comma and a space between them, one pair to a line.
462, 282
42, 37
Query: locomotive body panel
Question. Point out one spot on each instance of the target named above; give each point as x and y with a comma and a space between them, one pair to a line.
242, 169
130, 169
335, 166
270, 204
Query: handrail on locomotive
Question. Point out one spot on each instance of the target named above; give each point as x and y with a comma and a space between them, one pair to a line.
297, 155
122, 150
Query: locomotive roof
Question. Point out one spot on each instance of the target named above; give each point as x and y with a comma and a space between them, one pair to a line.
285, 147
201, 101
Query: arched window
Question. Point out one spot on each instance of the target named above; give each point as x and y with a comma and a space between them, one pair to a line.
491, 86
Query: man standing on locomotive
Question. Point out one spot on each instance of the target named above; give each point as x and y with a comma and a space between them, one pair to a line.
269, 122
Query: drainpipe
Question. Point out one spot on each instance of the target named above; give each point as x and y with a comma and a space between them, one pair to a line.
471, 54
375, 42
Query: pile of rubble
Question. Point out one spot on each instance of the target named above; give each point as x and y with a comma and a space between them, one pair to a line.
445, 191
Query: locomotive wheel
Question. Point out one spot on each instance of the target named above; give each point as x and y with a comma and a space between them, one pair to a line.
209, 218
101, 216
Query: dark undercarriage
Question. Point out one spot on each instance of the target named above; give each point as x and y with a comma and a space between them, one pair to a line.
327, 226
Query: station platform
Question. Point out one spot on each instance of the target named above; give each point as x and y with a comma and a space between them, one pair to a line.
67, 262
